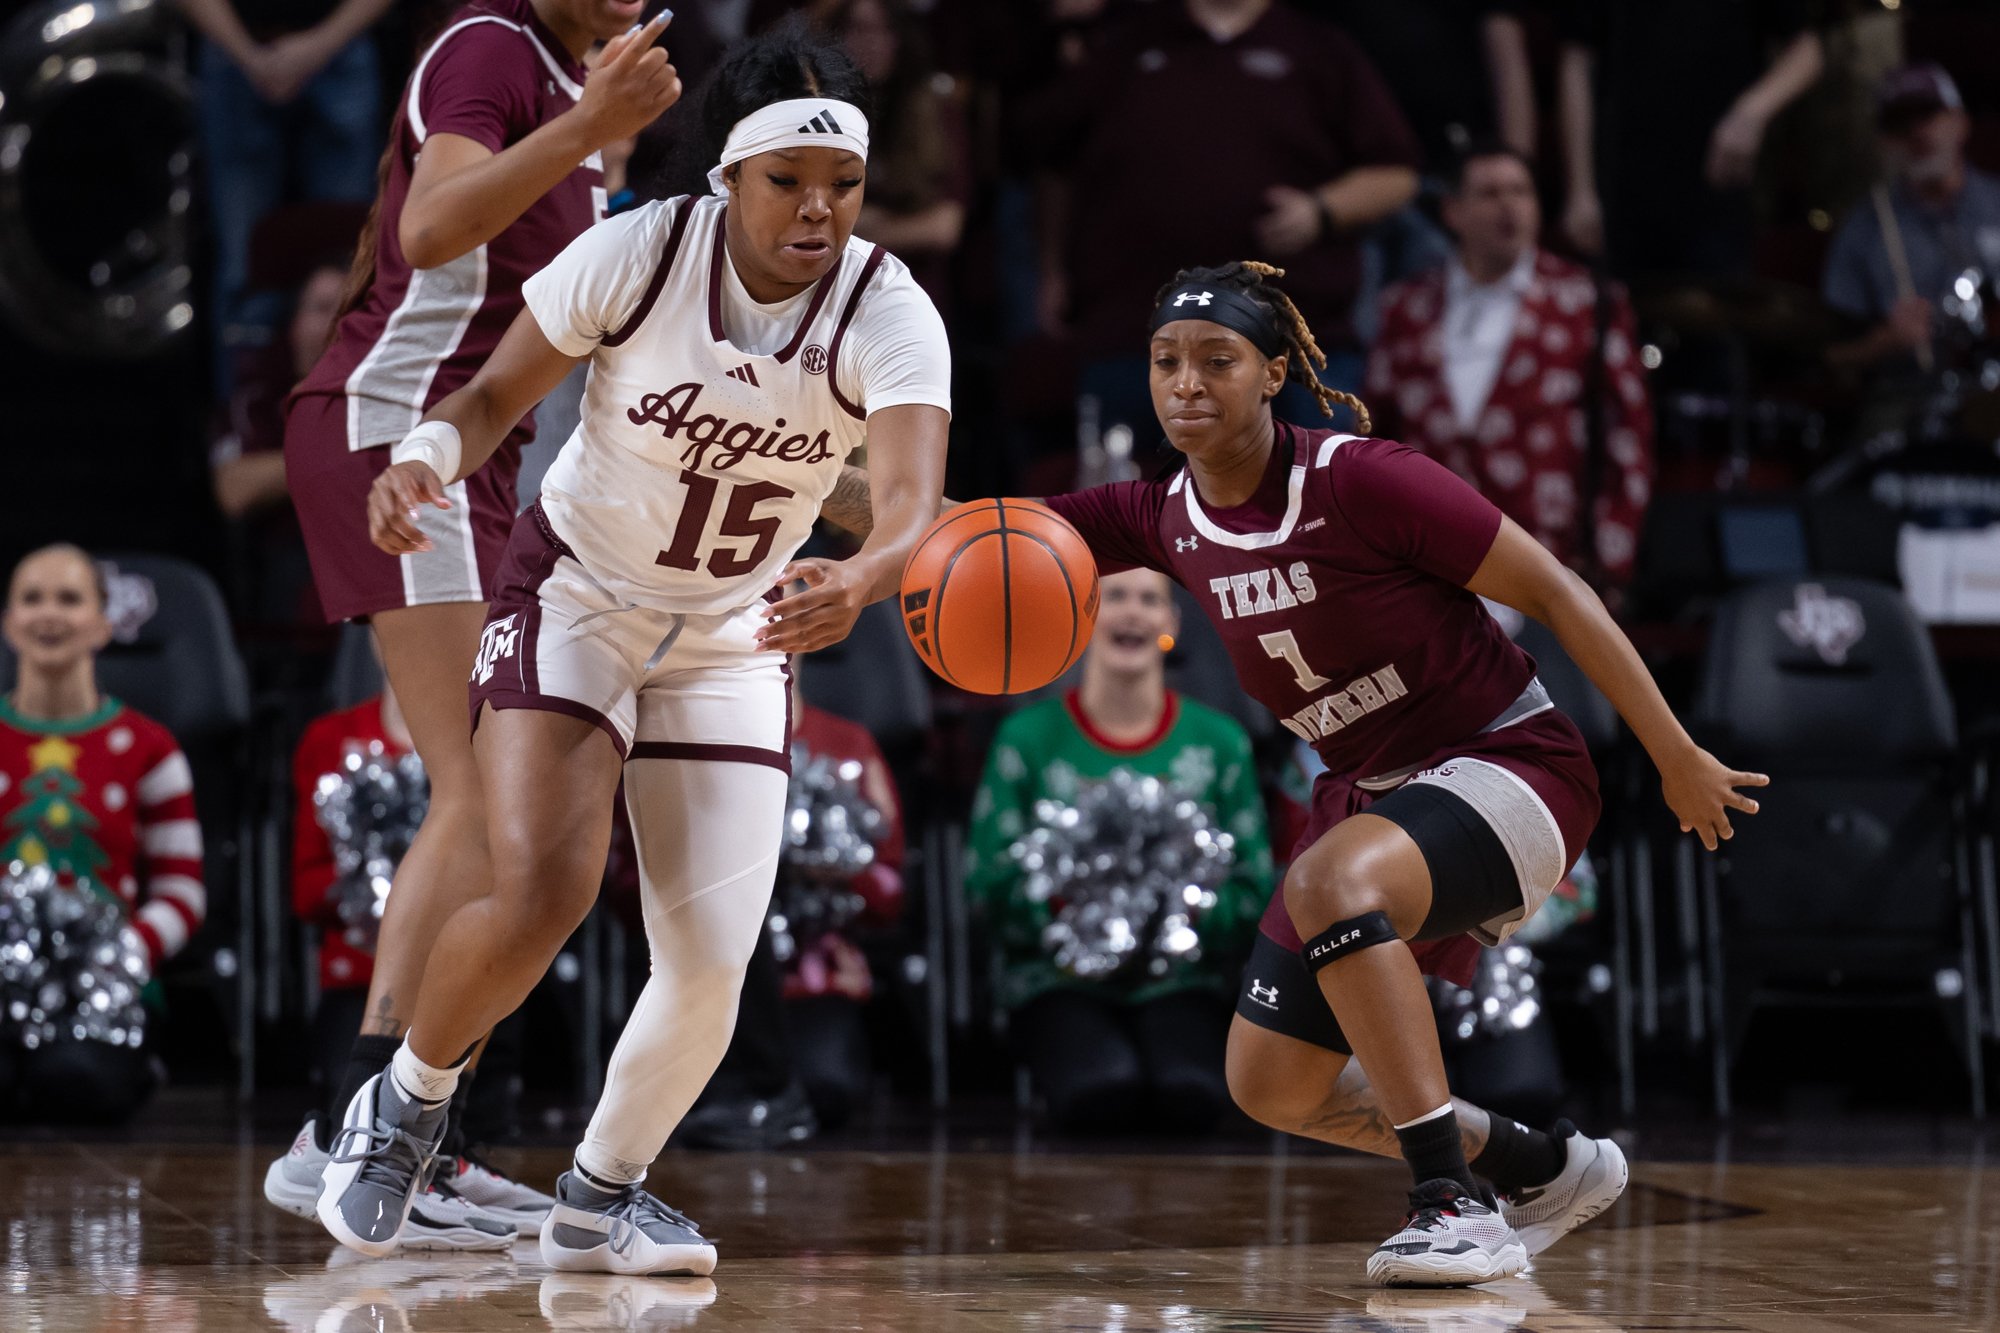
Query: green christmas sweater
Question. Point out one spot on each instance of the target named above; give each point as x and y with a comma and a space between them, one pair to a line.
1042, 752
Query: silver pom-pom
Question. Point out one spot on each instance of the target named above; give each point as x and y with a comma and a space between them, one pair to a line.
371, 809
830, 834
71, 966
1505, 995
1129, 873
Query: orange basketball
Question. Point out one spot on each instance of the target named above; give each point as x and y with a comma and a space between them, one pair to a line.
1000, 596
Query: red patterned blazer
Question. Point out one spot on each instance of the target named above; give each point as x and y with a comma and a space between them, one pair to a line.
1526, 448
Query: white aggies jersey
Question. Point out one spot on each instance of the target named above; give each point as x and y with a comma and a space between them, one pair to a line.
697, 468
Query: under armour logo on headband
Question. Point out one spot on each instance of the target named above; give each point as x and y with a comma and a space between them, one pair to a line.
823, 123
1203, 299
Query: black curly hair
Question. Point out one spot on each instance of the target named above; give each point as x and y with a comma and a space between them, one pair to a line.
1247, 277
792, 59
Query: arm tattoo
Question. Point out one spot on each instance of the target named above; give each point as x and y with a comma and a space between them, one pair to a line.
849, 505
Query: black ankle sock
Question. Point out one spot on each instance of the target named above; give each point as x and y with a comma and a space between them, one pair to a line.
1433, 1150
369, 1057
1515, 1156
454, 1124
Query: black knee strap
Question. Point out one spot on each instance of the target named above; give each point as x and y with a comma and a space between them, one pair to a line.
1345, 937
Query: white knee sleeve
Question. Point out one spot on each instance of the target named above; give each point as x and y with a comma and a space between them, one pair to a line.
708, 837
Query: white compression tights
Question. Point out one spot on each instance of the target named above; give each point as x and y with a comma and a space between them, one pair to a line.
708, 836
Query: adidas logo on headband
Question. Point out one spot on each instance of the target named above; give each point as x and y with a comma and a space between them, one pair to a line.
823, 123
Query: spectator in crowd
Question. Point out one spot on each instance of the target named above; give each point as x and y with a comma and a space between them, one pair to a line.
1492, 367
346, 949
917, 179
1296, 148
1945, 215
290, 99
1148, 1052
1458, 68
100, 794
799, 1059
247, 465
1667, 105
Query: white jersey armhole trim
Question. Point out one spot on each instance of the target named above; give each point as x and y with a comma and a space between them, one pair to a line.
1328, 445
1180, 479
563, 81
1251, 541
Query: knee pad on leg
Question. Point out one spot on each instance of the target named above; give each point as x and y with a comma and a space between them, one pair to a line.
1342, 938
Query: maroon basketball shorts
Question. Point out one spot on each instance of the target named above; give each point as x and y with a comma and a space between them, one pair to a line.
1500, 819
329, 484
661, 685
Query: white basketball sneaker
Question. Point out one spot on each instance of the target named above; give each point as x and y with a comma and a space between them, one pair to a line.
630, 1232
498, 1195
440, 1219
380, 1158
1450, 1239
1591, 1180
291, 1182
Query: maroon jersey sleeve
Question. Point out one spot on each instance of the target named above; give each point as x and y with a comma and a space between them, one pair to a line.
1412, 509
1119, 522
481, 85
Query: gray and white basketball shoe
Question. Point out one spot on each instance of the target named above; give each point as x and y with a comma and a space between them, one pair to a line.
1450, 1239
595, 1231
380, 1158
1591, 1180
495, 1194
291, 1182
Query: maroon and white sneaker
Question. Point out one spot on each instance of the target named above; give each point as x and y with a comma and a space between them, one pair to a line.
1450, 1239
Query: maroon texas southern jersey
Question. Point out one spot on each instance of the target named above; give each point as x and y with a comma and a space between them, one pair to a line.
1339, 589
495, 75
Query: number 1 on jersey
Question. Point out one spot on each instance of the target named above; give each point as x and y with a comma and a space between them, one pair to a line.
1283, 646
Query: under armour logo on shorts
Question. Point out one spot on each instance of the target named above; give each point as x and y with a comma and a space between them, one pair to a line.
1185, 297
499, 639
1262, 994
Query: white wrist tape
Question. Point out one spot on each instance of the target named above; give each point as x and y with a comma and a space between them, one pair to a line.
435, 443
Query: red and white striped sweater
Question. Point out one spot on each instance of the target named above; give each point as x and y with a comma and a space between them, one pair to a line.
107, 797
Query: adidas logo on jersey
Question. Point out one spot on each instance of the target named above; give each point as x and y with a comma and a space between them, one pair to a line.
747, 374
823, 123
731, 441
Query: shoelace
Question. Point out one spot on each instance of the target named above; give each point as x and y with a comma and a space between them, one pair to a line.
628, 1216
377, 1152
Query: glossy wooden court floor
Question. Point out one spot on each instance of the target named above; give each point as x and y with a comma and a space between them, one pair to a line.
179, 1238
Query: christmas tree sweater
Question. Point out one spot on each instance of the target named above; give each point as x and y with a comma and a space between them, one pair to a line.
107, 798
1043, 752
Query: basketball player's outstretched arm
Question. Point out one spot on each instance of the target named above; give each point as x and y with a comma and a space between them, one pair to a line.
905, 480
463, 194
1519, 572
522, 371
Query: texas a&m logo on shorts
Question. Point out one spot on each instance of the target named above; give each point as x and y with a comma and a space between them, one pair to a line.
499, 639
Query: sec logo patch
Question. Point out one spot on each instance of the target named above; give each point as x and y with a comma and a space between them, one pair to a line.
814, 360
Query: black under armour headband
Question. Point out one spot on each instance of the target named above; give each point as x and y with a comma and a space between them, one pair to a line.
1221, 305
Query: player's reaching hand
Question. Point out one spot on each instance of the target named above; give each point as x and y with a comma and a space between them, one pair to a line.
1701, 790
631, 84
393, 502
823, 613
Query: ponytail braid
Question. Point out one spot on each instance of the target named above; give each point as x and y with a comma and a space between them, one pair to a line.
1302, 349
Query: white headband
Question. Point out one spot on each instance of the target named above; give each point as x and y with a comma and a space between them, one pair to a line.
805, 122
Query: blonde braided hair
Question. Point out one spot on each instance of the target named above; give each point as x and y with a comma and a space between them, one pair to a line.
1247, 276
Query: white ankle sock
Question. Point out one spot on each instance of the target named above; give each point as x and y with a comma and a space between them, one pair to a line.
605, 1171
421, 1082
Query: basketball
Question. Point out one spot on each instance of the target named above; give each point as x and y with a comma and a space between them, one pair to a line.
1000, 596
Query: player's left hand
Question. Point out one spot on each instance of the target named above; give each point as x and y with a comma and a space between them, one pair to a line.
822, 614
1701, 790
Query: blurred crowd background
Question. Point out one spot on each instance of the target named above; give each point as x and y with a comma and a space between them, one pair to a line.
1696, 290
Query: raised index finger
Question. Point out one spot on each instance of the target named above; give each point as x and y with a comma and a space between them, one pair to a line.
639, 38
